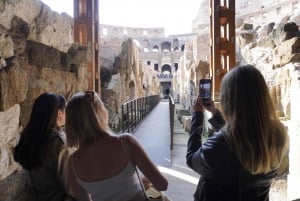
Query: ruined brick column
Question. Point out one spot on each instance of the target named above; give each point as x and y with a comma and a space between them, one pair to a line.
86, 30
222, 41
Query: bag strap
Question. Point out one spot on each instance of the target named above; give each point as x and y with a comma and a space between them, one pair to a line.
130, 157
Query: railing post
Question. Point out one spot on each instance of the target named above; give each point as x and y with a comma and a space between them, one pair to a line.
123, 119
135, 109
172, 110
128, 121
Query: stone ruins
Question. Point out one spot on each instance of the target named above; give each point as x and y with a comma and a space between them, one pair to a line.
38, 53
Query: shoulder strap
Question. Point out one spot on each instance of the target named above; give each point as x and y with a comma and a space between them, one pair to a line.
126, 149
129, 155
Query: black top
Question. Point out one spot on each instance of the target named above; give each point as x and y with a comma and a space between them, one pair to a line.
222, 176
46, 183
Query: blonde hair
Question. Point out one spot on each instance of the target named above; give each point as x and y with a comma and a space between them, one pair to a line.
86, 119
254, 131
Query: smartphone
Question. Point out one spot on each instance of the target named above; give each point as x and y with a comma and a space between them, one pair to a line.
205, 91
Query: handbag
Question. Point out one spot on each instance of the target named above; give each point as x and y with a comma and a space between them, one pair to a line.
151, 193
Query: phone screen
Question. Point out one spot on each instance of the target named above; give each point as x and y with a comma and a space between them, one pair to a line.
205, 89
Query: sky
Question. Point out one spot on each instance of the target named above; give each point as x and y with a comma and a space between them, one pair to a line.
176, 16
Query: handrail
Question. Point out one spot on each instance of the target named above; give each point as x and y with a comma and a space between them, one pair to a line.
172, 111
134, 111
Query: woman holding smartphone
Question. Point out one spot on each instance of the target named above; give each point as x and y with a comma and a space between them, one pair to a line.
240, 159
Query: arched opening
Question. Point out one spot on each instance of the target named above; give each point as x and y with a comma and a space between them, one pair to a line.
155, 48
131, 90
182, 48
146, 44
166, 69
166, 47
175, 44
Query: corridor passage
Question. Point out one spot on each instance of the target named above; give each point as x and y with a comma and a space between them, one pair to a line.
154, 134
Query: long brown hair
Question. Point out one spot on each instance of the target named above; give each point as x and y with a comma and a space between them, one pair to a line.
255, 133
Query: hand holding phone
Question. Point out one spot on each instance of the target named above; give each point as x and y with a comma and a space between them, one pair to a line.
205, 91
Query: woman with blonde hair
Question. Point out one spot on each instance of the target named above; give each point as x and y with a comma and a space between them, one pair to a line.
240, 159
103, 166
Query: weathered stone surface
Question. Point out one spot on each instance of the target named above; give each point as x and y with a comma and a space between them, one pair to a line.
265, 30
285, 31
41, 55
46, 26
46, 79
186, 123
52, 29
202, 69
20, 8
15, 187
37, 56
105, 77
6, 47
77, 54
288, 51
9, 126
113, 105
9, 134
247, 27
246, 37
14, 86
6, 44
7, 163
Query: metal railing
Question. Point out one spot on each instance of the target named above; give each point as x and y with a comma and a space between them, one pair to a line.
172, 111
134, 111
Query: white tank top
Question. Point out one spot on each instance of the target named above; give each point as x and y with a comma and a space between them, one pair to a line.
121, 187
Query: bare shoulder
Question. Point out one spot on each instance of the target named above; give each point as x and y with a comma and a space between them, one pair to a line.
130, 139
127, 136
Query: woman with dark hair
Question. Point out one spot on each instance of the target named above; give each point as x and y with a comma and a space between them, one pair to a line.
40, 143
240, 159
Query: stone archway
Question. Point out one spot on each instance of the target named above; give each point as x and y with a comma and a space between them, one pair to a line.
166, 47
175, 45
155, 48
166, 68
131, 90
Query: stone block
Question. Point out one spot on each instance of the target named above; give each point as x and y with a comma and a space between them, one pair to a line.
182, 112
186, 123
14, 86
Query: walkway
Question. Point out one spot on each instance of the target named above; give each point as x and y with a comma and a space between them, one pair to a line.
154, 135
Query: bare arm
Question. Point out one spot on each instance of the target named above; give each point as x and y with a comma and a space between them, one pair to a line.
145, 164
68, 178
78, 191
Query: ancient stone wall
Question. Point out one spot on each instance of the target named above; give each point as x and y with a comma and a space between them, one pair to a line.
159, 56
276, 54
37, 55
110, 31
